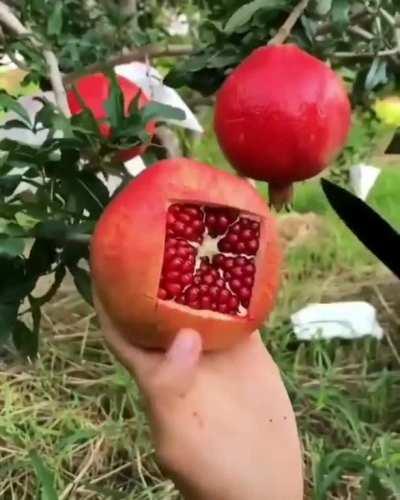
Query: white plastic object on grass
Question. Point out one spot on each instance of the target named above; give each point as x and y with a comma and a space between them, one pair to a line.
150, 80
363, 178
345, 320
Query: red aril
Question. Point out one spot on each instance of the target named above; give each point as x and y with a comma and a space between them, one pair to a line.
186, 245
282, 116
93, 91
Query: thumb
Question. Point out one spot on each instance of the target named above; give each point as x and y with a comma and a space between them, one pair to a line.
177, 371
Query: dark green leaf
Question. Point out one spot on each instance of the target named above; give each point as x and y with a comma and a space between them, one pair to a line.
15, 124
90, 193
115, 102
8, 103
340, 13
11, 247
244, 14
82, 282
51, 230
25, 340
156, 110
41, 258
8, 318
44, 476
8, 184
55, 20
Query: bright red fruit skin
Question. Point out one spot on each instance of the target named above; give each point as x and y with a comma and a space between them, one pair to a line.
94, 92
282, 115
127, 253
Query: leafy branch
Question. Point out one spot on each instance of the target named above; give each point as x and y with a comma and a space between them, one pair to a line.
12, 23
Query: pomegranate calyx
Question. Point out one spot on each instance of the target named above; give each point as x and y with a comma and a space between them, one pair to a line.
280, 196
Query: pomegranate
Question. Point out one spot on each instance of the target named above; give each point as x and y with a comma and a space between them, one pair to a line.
282, 116
186, 245
93, 91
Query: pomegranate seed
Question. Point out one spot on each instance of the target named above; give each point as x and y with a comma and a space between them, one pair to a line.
235, 228
197, 280
186, 279
223, 308
229, 263
248, 281
237, 272
208, 279
252, 246
170, 253
220, 282
247, 234
170, 219
235, 285
213, 306
204, 289
193, 293
176, 263
184, 217
205, 302
233, 238
173, 276
224, 296
214, 291
195, 304
240, 261
241, 247
233, 303
162, 294
173, 288
249, 269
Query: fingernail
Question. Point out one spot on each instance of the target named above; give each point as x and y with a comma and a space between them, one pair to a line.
186, 342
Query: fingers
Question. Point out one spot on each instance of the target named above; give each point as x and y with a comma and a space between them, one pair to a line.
175, 375
137, 361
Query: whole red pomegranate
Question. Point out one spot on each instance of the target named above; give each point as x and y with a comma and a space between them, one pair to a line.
186, 245
93, 91
281, 117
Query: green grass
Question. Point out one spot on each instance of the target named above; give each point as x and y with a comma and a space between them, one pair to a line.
73, 425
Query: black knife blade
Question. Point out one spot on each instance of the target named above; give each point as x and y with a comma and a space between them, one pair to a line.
369, 227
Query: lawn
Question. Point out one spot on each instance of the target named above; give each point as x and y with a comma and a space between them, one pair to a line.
75, 417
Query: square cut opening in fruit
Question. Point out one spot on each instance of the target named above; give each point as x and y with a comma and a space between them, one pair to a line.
209, 258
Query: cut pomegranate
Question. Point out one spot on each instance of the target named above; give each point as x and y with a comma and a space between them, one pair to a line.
223, 280
186, 246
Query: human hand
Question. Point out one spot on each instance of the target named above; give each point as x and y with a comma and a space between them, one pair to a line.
222, 423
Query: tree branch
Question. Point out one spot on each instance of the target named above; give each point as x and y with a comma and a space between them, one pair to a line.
12, 23
140, 54
286, 28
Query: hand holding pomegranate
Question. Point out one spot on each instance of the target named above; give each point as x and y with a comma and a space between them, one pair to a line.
222, 423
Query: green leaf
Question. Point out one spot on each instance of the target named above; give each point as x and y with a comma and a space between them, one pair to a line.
41, 258
340, 13
8, 184
377, 74
82, 282
8, 318
15, 124
25, 340
8, 103
44, 476
244, 14
11, 247
55, 20
156, 110
50, 229
115, 102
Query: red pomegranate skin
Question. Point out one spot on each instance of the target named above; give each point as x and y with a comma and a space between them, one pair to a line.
94, 92
129, 246
282, 115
